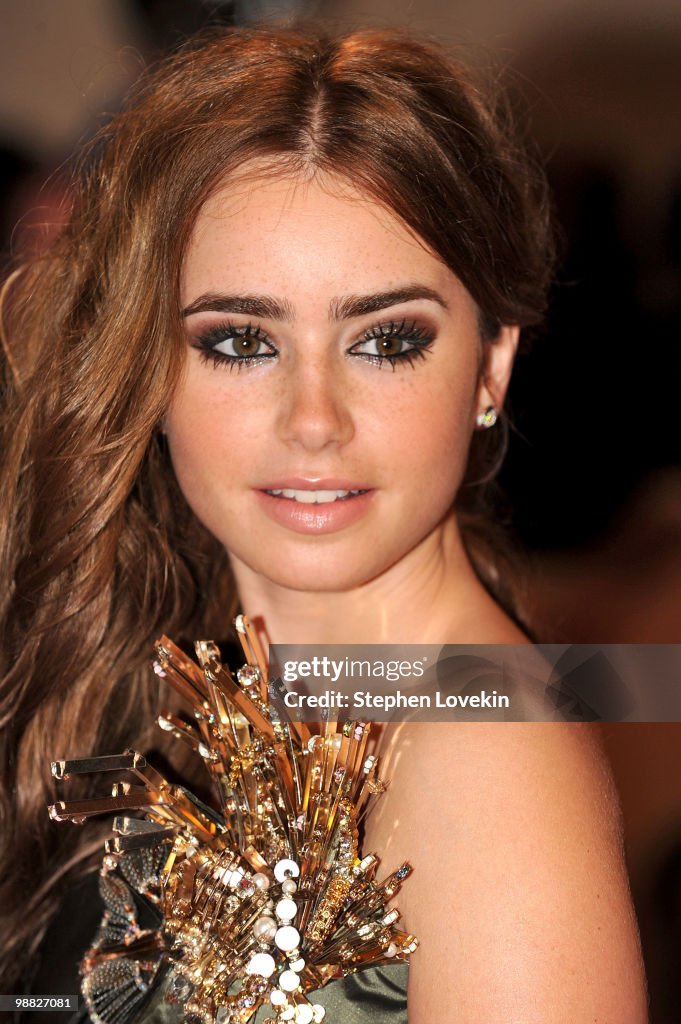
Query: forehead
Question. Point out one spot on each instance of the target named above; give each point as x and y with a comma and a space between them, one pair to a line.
267, 231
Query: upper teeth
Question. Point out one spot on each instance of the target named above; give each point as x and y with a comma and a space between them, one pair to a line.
311, 497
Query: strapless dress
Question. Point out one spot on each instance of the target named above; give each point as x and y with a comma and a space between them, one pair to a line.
377, 995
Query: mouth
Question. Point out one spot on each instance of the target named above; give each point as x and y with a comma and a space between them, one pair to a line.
315, 506
310, 497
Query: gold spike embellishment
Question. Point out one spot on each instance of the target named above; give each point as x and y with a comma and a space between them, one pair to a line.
261, 897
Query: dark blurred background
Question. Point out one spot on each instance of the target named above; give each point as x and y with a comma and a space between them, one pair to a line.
593, 476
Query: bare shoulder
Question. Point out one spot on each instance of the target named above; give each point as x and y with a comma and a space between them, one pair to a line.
519, 895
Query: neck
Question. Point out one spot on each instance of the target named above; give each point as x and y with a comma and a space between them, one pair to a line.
432, 595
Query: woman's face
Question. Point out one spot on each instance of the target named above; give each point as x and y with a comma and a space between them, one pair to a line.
322, 424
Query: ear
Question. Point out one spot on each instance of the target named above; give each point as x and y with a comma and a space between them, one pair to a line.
496, 368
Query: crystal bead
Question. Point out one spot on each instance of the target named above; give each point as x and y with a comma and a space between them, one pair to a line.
179, 989
248, 675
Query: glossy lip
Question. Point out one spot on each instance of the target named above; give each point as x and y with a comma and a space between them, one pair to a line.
315, 519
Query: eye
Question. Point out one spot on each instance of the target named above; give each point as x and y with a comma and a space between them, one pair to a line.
234, 346
395, 342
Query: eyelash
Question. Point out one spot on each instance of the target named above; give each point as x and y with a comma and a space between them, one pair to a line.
401, 330
207, 342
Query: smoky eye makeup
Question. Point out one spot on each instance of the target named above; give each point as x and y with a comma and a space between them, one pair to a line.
395, 342
233, 345
399, 342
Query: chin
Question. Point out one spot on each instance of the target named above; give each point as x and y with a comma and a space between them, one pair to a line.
319, 572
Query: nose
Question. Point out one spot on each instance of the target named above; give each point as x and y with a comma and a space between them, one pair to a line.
315, 410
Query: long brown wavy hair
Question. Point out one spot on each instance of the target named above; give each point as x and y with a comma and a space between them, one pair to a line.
99, 550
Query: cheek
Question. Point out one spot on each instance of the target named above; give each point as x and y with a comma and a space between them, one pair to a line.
205, 443
430, 432
204, 422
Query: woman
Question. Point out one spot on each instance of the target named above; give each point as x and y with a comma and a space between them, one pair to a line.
293, 283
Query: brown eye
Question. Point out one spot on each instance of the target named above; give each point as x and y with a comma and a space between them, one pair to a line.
394, 343
240, 346
390, 346
235, 346
245, 345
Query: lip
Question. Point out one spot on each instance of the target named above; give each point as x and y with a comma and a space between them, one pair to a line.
314, 519
313, 483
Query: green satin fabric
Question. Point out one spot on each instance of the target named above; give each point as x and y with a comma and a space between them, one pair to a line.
377, 995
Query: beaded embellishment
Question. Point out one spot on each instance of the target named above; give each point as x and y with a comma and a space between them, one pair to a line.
259, 898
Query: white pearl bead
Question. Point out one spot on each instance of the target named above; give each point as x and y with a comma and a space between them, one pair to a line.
264, 929
287, 938
262, 964
285, 867
235, 877
289, 981
288, 886
287, 1014
391, 950
277, 997
304, 1013
261, 880
297, 965
318, 1012
286, 910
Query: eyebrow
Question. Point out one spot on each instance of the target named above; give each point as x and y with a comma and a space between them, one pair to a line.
358, 305
344, 308
251, 305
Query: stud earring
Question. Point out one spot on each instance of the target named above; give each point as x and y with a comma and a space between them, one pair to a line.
487, 418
